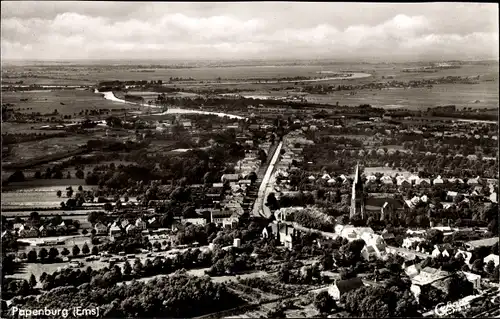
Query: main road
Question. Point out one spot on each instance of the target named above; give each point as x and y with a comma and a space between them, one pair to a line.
260, 208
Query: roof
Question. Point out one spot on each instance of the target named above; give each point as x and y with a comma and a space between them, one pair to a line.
482, 242
349, 284
429, 275
231, 177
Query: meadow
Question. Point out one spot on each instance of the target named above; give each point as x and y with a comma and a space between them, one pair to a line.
66, 102
34, 149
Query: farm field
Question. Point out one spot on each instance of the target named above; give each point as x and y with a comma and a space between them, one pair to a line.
34, 149
461, 95
44, 196
48, 101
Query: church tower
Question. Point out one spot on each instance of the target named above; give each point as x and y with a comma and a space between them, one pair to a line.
357, 199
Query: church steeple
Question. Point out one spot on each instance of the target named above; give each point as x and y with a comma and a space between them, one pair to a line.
357, 199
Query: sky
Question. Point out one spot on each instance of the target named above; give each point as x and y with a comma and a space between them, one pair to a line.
66, 30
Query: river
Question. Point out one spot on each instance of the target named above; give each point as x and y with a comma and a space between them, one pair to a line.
111, 97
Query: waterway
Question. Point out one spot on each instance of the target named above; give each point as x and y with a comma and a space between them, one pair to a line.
111, 97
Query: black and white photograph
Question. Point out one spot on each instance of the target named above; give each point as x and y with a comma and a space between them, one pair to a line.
252, 159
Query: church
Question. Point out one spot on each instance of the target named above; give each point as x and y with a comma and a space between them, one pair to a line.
379, 206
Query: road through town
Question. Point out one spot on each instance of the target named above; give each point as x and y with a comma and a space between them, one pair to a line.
265, 188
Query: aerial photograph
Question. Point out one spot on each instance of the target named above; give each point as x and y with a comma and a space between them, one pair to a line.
249, 160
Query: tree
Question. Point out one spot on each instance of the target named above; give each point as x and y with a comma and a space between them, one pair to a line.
252, 177
76, 250
69, 193
108, 207
85, 249
79, 174
32, 256
42, 254
137, 266
80, 188
43, 276
95, 250
324, 302
32, 281
435, 236
18, 176
65, 252
272, 202
127, 269
53, 253
59, 193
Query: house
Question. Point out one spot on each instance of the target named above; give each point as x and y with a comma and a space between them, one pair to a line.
466, 255
408, 241
131, 229
326, 176
230, 178
341, 287
438, 180
491, 257
451, 195
195, 221
140, 224
100, 229
331, 181
454, 180
402, 181
286, 235
153, 223
124, 223
352, 233
230, 222
114, 231
387, 180
474, 181
17, 226
412, 270
488, 242
375, 246
218, 216
474, 279
218, 185
423, 182
428, 276
413, 179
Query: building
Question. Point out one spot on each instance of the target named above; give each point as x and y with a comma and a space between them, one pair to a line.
286, 235
230, 178
488, 242
114, 231
386, 180
428, 276
341, 287
474, 279
375, 246
100, 229
140, 224
218, 217
492, 257
131, 229
357, 199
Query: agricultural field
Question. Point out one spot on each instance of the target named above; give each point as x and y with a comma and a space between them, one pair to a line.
30, 150
66, 102
42, 197
461, 95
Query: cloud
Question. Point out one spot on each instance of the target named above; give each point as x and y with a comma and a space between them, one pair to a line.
195, 33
